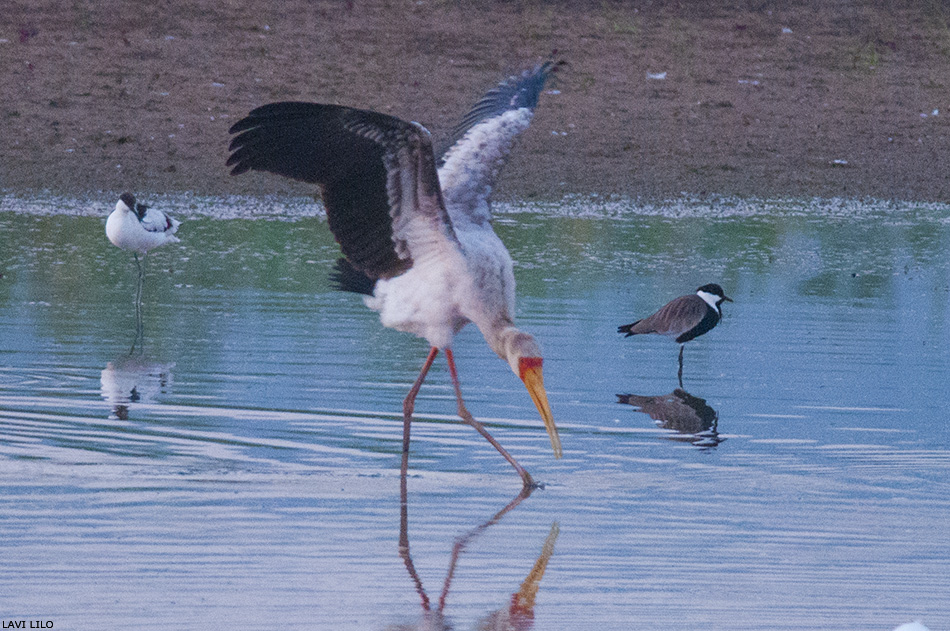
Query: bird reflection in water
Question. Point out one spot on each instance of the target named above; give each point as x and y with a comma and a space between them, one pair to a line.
690, 417
133, 379
517, 615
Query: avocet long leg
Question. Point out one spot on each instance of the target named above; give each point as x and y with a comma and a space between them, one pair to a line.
139, 339
141, 278
140, 281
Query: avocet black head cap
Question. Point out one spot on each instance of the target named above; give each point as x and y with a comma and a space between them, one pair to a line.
714, 290
128, 199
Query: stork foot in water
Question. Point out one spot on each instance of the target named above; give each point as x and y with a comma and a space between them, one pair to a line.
468, 418
409, 404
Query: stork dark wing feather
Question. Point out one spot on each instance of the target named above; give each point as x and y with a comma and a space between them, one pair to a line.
298, 140
359, 158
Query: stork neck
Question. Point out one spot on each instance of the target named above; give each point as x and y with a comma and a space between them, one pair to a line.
499, 335
512, 345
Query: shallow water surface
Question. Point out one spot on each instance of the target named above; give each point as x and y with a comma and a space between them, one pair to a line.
241, 468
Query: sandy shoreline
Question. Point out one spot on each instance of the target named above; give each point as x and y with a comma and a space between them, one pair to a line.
803, 99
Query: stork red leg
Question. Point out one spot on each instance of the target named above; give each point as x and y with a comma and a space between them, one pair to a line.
409, 404
468, 418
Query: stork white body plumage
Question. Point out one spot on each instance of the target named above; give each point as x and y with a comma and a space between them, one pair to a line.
450, 287
417, 239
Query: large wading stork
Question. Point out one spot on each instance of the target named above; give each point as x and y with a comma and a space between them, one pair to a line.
417, 237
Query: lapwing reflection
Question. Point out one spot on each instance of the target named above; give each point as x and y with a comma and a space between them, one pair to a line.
516, 615
692, 419
133, 379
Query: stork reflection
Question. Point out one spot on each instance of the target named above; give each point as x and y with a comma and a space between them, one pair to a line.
133, 379
516, 615
692, 419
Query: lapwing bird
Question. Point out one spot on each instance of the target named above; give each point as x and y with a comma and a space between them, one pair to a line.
136, 227
684, 318
416, 237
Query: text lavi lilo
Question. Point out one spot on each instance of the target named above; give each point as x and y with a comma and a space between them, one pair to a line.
26, 624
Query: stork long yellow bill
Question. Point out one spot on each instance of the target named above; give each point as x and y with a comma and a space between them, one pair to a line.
531, 375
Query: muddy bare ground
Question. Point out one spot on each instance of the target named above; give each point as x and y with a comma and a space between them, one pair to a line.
748, 98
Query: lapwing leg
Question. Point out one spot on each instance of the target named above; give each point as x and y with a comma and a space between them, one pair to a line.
468, 418
680, 373
409, 404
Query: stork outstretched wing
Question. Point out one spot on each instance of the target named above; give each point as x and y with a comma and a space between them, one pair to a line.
483, 139
377, 174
